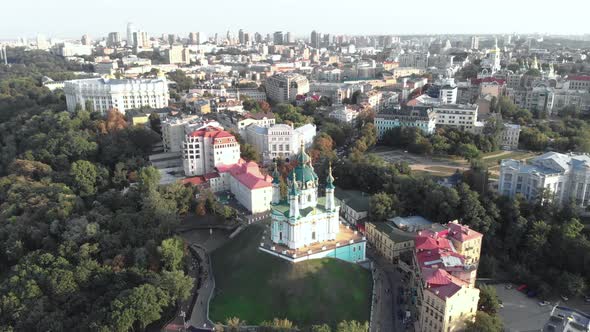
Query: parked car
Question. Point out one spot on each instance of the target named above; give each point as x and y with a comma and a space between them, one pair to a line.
587, 299
565, 298
544, 303
531, 293
508, 286
522, 288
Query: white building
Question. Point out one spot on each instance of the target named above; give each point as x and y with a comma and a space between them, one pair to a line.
175, 129
248, 185
455, 115
207, 148
279, 140
106, 94
448, 92
566, 177
285, 87
344, 113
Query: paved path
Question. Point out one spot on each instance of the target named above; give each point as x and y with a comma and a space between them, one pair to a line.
382, 318
199, 317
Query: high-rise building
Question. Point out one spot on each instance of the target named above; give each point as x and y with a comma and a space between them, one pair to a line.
130, 30
178, 55
474, 42
247, 39
85, 40
285, 87
114, 39
315, 39
278, 38
171, 39
241, 37
194, 38
326, 42
289, 38
258, 37
140, 39
106, 94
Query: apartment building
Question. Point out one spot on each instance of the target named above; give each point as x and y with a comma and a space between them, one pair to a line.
105, 94
284, 87
280, 141
455, 115
565, 178
422, 117
206, 148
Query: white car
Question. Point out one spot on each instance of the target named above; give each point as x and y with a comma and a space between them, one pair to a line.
508, 286
565, 298
544, 303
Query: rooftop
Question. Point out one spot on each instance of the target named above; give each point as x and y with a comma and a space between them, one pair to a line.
357, 200
564, 319
247, 173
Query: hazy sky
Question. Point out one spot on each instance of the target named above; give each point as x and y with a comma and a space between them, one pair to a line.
72, 18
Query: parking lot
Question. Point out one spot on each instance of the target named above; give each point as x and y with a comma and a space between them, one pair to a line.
521, 313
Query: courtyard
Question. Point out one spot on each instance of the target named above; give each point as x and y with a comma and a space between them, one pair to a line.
256, 286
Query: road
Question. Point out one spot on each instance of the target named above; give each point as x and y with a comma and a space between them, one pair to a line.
386, 307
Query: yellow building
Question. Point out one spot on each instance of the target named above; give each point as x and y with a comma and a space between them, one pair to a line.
389, 240
466, 241
447, 302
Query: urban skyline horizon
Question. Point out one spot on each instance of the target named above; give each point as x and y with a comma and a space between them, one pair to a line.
71, 18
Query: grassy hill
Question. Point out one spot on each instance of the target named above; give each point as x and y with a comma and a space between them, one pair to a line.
256, 286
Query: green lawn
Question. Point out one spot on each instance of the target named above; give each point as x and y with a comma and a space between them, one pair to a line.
492, 160
256, 286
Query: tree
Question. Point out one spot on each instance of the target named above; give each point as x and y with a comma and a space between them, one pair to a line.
171, 252
84, 175
249, 152
321, 328
468, 151
571, 284
177, 284
382, 206
352, 326
143, 304
234, 323
115, 121
488, 300
485, 323
148, 178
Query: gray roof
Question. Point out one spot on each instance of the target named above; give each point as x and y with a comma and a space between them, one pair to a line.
567, 319
357, 200
550, 163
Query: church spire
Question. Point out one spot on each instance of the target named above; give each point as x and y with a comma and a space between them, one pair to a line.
294, 191
276, 177
330, 179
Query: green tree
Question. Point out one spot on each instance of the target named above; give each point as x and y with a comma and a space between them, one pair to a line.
142, 305
84, 175
321, 328
468, 151
352, 326
382, 206
485, 323
249, 152
178, 285
488, 300
148, 178
171, 252
571, 284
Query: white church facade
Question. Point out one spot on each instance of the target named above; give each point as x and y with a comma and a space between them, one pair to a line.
307, 226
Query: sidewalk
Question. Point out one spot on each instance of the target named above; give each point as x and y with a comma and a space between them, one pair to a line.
199, 317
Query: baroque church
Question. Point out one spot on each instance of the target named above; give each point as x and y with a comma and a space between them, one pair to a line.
307, 226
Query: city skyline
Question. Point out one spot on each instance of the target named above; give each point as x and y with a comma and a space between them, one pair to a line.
299, 18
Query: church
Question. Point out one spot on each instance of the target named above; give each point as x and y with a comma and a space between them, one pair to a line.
305, 225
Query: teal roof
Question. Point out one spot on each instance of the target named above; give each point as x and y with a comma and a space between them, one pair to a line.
276, 177
293, 191
283, 208
330, 179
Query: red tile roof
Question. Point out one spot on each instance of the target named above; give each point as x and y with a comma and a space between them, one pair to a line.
578, 78
462, 233
196, 180
442, 283
212, 132
247, 173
